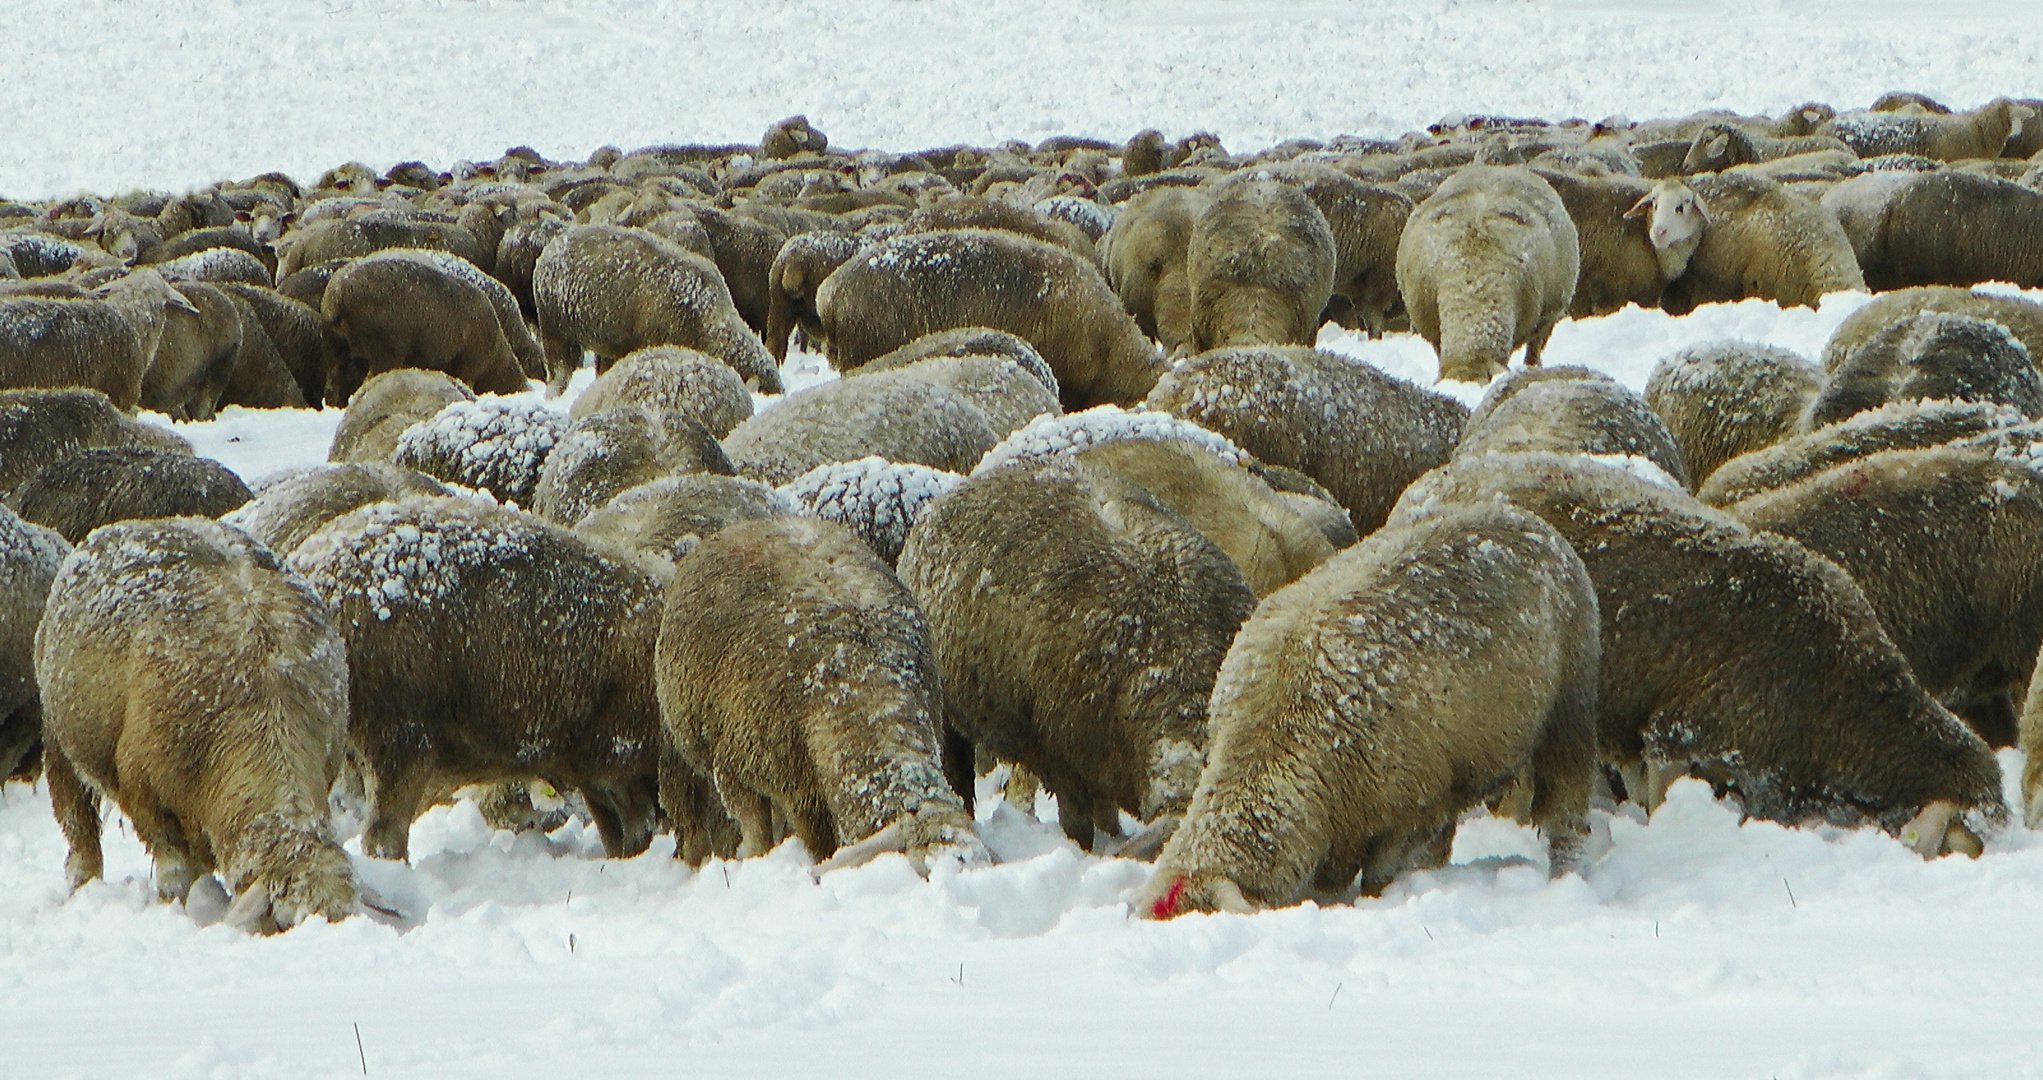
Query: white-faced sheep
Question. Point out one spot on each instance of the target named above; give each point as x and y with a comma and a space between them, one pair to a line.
498, 446
1902, 425
1618, 263
919, 283
40, 426
1931, 356
1145, 254
1570, 410
1487, 264
1260, 264
850, 751
1945, 542
29, 555
1078, 622
202, 687
485, 644
875, 498
892, 414
1732, 235
604, 454
1721, 399
89, 488
1363, 708
1361, 433
614, 290
1980, 133
404, 312
386, 406
2021, 317
289, 509
1745, 658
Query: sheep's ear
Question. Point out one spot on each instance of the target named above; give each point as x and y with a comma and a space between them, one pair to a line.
178, 302
1717, 146
1814, 116
2015, 117
1642, 207
1702, 210
249, 909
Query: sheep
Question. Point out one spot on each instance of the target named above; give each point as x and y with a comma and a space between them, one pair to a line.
41, 426
968, 341
1091, 217
386, 405
510, 319
1931, 356
1982, 133
200, 685
1078, 623
57, 344
90, 488
792, 136
1272, 543
1900, 425
404, 312
977, 212
1051, 436
485, 644
1721, 399
260, 378
497, 446
669, 378
1618, 263
1146, 255
851, 751
614, 290
1487, 264
743, 248
902, 288
1732, 235
1720, 146
293, 507
1260, 262
1361, 433
1958, 228
29, 556
353, 237
1570, 410
1367, 221
798, 270
1944, 543
1005, 391
1745, 658
1363, 708
216, 265
893, 414
2020, 316
662, 520
294, 330
875, 498
1859, 204
603, 454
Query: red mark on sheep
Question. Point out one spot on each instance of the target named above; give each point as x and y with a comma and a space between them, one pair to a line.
1167, 904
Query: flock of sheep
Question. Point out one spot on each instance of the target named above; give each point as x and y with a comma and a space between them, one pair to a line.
1086, 503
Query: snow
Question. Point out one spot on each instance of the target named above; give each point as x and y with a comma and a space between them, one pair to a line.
1696, 947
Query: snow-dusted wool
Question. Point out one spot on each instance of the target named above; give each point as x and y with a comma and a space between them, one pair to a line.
38, 427
669, 378
668, 517
293, 507
876, 498
1902, 425
84, 490
386, 406
798, 270
1260, 266
892, 414
1050, 436
2021, 317
190, 677
1078, 622
1721, 399
1738, 656
401, 312
603, 454
486, 644
1931, 356
968, 341
55, 344
1570, 410
29, 555
796, 671
498, 445
1760, 240
1364, 707
216, 264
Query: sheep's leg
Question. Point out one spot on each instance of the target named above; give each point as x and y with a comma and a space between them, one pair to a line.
1562, 774
77, 810
18, 736
624, 816
164, 836
817, 829
755, 820
1536, 344
563, 356
399, 797
1074, 813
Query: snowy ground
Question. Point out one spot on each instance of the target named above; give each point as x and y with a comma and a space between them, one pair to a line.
1697, 947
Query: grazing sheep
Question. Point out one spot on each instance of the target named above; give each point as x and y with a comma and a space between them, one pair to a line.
1260, 262
1728, 236
977, 212
914, 284
518, 252
1367, 221
288, 510
315, 242
669, 378
1363, 708
875, 498
260, 377
1619, 265
799, 269
1721, 399
1720, 146
405, 312
1982, 133
1945, 543
192, 679
667, 518
603, 454
29, 556
613, 291
1007, 392
848, 751
41, 426
1050, 436
55, 344
510, 319
892, 414
484, 644
968, 341
743, 248
1952, 227
294, 330
90, 488
1078, 623
1570, 410
379, 413
1901, 425
1859, 203
216, 265
496, 446
1931, 356
1272, 543
2021, 317
1361, 433
1487, 264
1745, 658
1146, 254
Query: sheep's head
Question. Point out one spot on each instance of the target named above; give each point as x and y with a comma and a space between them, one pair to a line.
1941, 830
1676, 225
1172, 893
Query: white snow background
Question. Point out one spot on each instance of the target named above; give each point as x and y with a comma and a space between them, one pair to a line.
1698, 947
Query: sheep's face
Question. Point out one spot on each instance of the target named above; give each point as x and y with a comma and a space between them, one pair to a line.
1675, 226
